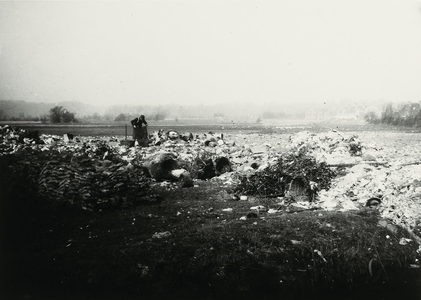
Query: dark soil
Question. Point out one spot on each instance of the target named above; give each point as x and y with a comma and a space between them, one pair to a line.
52, 251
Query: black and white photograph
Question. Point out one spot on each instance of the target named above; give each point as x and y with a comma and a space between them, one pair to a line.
210, 150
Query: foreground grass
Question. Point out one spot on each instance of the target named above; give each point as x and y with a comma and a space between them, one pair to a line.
55, 252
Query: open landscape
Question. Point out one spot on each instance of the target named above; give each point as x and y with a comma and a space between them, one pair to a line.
210, 150
211, 240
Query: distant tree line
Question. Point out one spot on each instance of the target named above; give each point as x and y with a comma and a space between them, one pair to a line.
406, 114
22, 117
57, 114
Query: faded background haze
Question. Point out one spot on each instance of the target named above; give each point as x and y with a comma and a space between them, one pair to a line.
203, 52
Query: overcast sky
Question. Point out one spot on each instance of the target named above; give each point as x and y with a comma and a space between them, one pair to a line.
210, 52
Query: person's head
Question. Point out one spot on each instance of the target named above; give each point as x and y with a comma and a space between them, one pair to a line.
142, 117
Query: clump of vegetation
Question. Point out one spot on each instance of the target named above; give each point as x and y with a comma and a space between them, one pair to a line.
59, 114
274, 181
406, 114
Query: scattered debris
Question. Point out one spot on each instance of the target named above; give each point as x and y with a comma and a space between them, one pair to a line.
331, 170
404, 241
295, 242
161, 235
259, 208
320, 254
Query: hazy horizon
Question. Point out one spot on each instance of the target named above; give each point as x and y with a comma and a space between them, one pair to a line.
185, 52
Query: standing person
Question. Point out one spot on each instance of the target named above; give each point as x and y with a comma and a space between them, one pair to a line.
137, 122
140, 134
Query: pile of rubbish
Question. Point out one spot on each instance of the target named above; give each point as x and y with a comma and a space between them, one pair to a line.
331, 147
367, 176
396, 189
88, 173
93, 183
329, 170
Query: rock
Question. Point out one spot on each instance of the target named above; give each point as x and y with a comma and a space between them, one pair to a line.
173, 135
187, 136
160, 166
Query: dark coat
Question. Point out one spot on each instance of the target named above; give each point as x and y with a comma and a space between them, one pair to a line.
137, 122
140, 133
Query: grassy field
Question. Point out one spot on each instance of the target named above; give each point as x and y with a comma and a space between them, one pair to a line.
203, 126
119, 128
187, 246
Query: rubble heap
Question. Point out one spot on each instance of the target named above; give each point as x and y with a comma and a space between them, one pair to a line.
263, 165
92, 183
331, 147
366, 172
87, 173
398, 188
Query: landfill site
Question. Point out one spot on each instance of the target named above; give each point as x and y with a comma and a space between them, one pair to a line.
267, 175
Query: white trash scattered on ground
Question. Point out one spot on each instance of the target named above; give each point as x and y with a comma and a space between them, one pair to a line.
384, 166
